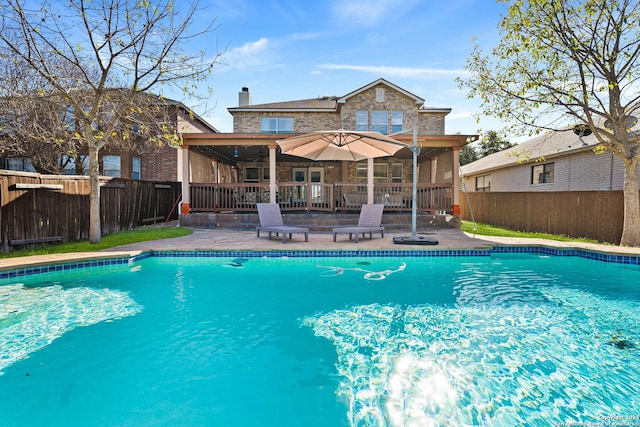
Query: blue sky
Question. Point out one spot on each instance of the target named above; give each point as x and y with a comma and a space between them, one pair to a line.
286, 50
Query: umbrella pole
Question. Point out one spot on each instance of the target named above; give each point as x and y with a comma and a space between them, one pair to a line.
415, 239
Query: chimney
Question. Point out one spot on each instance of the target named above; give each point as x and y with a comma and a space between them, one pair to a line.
244, 97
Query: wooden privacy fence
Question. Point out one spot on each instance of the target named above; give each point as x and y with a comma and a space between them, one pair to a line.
594, 215
38, 208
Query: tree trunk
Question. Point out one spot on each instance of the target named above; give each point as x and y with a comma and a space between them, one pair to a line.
95, 231
631, 225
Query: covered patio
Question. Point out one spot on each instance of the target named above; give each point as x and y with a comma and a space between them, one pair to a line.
232, 172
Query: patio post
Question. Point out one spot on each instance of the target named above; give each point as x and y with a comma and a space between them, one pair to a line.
455, 209
370, 180
272, 173
185, 179
434, 176
434, 169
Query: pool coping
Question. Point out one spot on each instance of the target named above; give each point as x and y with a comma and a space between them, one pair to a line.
130, 258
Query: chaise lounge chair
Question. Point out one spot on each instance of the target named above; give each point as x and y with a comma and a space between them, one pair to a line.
271, 221
370, 221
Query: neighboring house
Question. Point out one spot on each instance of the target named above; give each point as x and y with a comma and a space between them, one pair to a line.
159, 164
248, 166
557, 161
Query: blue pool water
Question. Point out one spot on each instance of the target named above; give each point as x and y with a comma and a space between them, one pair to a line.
505, 340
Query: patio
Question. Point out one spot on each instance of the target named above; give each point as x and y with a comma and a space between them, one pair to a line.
450, 238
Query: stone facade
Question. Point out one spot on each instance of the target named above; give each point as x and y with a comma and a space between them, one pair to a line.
249, 122
344, 114
366, 100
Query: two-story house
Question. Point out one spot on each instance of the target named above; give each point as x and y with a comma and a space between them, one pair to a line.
138, 162
247, 165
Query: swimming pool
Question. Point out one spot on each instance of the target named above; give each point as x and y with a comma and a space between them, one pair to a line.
243, 340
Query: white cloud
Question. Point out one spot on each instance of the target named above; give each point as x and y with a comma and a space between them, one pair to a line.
306, 36
461, 115
397, 71
248, 55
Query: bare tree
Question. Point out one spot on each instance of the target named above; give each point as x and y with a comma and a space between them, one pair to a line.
569, 63
79, 76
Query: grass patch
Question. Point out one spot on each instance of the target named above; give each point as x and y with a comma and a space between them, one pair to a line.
490, 230
108, 241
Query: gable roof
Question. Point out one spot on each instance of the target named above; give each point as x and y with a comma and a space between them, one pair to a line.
332, 103
547, 146
418, 100
191, 113
323, 103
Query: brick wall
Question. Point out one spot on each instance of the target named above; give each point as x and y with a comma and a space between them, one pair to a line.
249, 122
160, 165
366, 100
428, 123
431, 123
333, 171
577, 172
188, 125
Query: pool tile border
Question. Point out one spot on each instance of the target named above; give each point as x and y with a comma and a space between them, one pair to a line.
67, 266
64, 266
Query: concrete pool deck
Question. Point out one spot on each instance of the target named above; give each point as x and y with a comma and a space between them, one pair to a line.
216, 239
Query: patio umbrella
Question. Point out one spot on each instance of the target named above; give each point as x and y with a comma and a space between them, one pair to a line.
342, 145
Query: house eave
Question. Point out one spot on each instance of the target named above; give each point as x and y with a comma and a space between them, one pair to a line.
280, 110
515, 162
434, 110
271, 138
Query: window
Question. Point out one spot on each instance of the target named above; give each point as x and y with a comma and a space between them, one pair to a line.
542, 174
396, 121
396, 172
380, 172
19, 164
72, 165
379, 94
135, 171
251, 174
276, 124
361, 171
255, 174
111, 166
483, 183
380, 121
362, 120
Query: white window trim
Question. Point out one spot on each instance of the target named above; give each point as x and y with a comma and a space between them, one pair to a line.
278, 120
543, 165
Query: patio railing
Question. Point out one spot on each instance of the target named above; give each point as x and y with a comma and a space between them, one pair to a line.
342, 196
